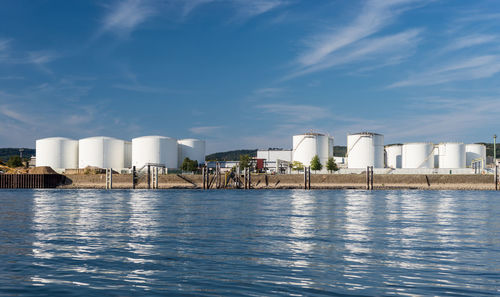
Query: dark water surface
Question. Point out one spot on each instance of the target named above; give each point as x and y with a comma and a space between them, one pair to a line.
249, 243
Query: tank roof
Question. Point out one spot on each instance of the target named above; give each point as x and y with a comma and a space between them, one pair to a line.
411, 143
55, 138
99, 137
366, 133
394, 144
153, 136
311, 133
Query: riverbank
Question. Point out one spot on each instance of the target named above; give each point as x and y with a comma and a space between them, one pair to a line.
296, 181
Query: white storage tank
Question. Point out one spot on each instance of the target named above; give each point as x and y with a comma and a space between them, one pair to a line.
475, 152
365, 149
452, 155
193, 149
57, 152
394, 156
306, 146
102, 152
159, 150
418, 155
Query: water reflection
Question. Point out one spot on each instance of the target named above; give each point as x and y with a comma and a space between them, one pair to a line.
301, 224
358, 236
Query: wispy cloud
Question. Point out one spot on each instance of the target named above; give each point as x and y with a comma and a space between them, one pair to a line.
385, 51
125, 16
245, 9
375, 16
204, 130
295, 113
248, 9
140, 88
349, 43
470, 41
466, 69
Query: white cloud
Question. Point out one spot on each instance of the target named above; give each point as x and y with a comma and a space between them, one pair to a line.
466, 69
125, 16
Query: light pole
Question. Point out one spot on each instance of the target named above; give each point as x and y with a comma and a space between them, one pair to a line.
495, 149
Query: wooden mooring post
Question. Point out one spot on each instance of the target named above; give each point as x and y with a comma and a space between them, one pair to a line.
369, 177
496, 177
109, 178
307, 178
203, 173
155, 177
134, 177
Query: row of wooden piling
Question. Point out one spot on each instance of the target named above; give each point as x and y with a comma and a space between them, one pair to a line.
30, 181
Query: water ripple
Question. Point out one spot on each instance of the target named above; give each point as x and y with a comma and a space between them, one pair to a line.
249, 243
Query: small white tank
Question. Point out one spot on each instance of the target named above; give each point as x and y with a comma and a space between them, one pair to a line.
475, 151
57, 152
393, 156
365, 149
193, 149
452, 155
306, 146
418, 155
159, 150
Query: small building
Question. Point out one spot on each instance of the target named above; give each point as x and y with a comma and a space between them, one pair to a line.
271, 157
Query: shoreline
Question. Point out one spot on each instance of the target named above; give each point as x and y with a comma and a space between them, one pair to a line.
296, 181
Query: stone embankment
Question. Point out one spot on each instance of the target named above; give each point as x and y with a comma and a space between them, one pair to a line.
296, 181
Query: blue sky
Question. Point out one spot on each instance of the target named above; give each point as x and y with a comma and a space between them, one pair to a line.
249, 73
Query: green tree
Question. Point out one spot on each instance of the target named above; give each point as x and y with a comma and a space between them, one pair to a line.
189, 165
245, 161
316, 164
15, 161
331, 165
297, 166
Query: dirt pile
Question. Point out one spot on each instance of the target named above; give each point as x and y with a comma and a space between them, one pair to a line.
42, 170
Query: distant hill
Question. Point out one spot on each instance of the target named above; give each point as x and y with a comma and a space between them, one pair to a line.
6, 153
339, 151
230, 155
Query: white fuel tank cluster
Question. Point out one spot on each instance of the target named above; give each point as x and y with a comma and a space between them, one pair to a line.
367, 149
426, 155
108, 152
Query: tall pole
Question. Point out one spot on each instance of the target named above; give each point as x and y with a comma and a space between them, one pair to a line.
495, 149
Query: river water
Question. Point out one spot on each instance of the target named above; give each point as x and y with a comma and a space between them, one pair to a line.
249, 243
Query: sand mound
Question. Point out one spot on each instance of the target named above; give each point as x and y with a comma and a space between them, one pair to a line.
42, 170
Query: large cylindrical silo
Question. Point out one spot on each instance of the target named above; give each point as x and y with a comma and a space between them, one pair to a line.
57, 152
394, 155
102, 152
158, 150
475, 152
365, 149
418, 155
194, 149
452, 155
308, 145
